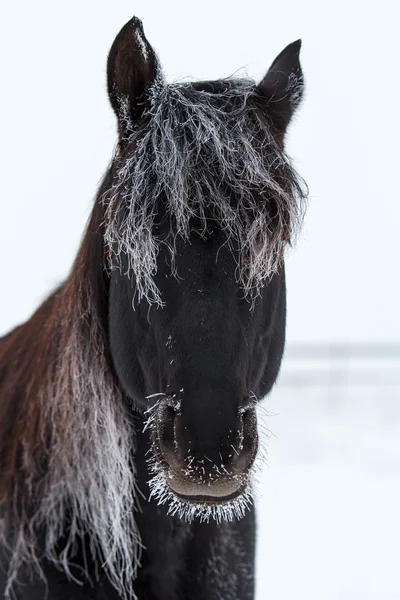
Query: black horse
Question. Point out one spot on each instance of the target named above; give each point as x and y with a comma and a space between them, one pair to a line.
128, 428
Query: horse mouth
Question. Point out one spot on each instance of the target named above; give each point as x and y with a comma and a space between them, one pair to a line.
208, 496
209, 489
203, 503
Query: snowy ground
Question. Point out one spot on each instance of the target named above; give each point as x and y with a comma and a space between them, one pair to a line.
329, 507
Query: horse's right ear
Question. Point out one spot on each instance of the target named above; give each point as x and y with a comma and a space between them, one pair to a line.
132, 70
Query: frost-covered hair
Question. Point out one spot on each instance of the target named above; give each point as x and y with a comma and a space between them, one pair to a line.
70, 450
209, 153
204, 512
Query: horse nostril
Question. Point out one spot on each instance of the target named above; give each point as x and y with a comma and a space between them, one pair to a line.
167, 432
246, 440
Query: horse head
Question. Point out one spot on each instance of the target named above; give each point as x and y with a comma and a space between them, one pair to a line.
201, 205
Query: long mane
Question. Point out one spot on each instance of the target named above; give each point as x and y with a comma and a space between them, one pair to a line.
66, 442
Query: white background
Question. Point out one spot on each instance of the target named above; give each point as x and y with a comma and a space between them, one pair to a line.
58, 133
328, 514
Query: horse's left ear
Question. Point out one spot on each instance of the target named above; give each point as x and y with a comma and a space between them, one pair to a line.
132, 70
283, 86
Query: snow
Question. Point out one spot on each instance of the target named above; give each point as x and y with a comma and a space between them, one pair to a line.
328, 513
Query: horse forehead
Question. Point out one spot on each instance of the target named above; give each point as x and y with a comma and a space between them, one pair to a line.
201, 257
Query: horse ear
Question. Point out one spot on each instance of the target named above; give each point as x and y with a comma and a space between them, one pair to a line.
283, 85
132, 69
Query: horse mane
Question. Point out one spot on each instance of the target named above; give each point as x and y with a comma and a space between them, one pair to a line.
66, 442
208, 151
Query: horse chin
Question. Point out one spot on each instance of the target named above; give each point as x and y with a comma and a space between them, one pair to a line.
203, 504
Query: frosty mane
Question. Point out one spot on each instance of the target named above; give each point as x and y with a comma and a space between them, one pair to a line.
210, 152
67, 460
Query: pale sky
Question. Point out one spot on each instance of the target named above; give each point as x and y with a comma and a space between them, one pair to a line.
58, 133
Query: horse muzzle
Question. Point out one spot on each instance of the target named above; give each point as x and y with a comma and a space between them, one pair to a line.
208, 460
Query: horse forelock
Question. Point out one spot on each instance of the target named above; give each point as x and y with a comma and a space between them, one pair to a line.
208, 151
